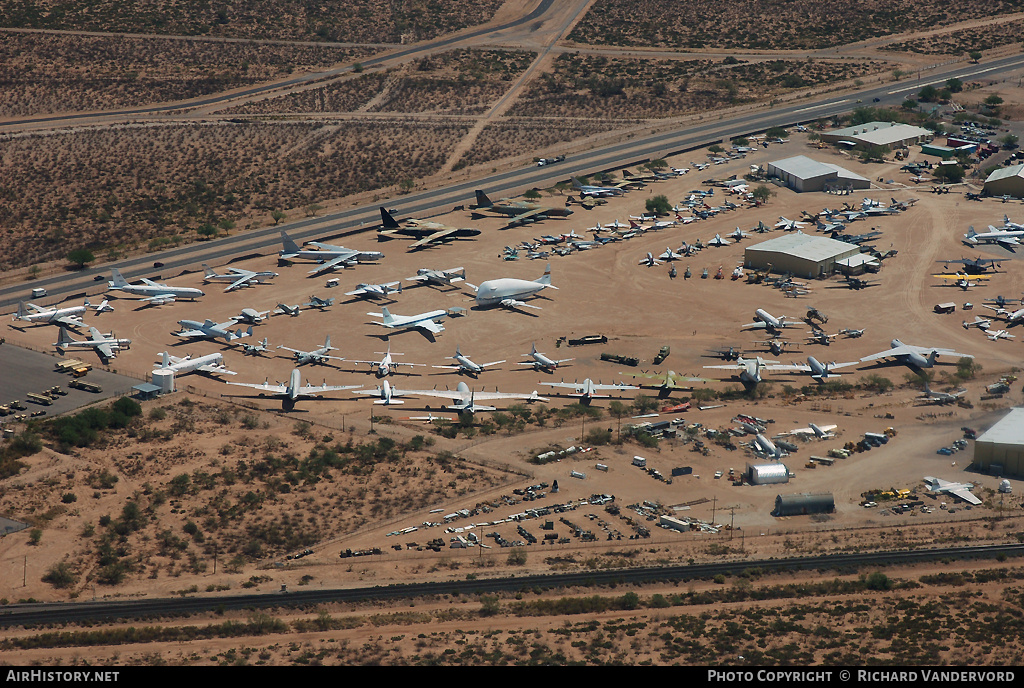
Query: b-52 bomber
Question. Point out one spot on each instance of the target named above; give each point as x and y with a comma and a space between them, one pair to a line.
328, 255
519, 212
426, 232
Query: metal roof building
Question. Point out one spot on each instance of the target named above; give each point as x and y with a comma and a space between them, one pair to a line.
806, 503
1000, 450
767, 474
803, 255
878, 134
801, 173
1008, 181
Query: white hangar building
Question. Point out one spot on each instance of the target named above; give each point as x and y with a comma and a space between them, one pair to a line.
1008, 181
804, 255
801, 173
891, 134
1000, 450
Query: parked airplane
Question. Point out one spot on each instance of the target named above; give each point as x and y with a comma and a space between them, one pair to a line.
424, 321
317, 302
464, 399
103, 307
930, 397
819, 371
106, 345
996, 335
1010, 317
155, 293
588, 389
328, 255
426, 232
508, 292
65, 317
979, 322
519, 212
375, 291
669, 254
465, 365
294, 390
318, 355
439, 277
255, 349
719, 241
750, 369
387, 365
649, 260
193, 329
764, 447
212, 364
738, 234
822, 432
974, 266
763, 320
959, 490
251, 316
285, 309
915, 357
595, 191
237, 277
542, 362
788, 225
1007, 238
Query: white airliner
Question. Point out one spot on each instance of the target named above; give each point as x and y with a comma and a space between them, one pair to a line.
541, 362
465, 365
66, 317
822, 432
959, 490
237, 277
508, 292
293, 391
387, 365
424, 321
763, 320
210, 363
155, 293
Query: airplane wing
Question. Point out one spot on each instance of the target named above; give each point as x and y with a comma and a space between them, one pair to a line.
70, 321
263, 387
158, 299
897, 351
105, 350
189, 334
430, 326
347, 260
810, 431
528, 216
514, 304
242, 281
216, 369
964, 494
437, 236
309, 390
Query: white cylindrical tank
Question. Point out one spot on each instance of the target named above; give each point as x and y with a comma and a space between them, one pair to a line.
164, 379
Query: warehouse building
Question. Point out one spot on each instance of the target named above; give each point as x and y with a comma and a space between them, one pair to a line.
1000, 450
892, 134
801, 173
1008, 181
802, 255
766, 474
802, 504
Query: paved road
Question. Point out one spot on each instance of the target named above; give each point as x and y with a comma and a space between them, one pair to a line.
348, 222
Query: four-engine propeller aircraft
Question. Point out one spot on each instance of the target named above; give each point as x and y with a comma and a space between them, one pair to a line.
255, 349
750, 369
293, 391
463, 398
423, 321
508, 292
444, 278
974, 266
958, 490
820, 372
465, 365
105, 345
211, 364
427, 233
915, 357
519, 212
155, 293
763, 320
387, 365
588, 389
328, 255
317, 355
1007, 238
376, 291
237, 277
65, 317
930, 397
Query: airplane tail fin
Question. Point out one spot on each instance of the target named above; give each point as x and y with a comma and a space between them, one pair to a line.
386, 316
208, 271
289, 245
576, 183
166, 360
118, 280
545, 279
64, 338
248, 333
387, 220
21, 310
931, 358
482, 200
971, 233
327, 342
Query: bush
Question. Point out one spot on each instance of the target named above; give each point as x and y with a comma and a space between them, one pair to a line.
60, 576
659, 205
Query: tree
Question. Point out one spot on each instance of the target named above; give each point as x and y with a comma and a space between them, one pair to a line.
278, 215
762, 193
776, 133
532, 194
659, 205
226, 224
952, 174
909, 104
993, 102
928, 94
975, 55
208, 231
79, 257
1009, 141
405, 186
954, 85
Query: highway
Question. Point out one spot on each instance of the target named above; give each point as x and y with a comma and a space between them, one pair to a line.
84, 612
267, 240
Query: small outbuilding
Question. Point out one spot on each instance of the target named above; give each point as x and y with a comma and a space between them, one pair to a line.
1008, 181
803, 504
1000, 449
803, 255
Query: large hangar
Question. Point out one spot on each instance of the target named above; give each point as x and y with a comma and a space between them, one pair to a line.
1000, 450
803, 255
878, 134
1008, 181
801, 173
